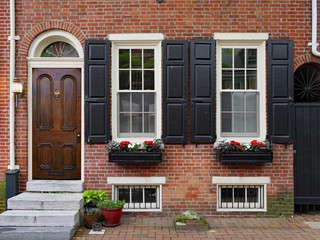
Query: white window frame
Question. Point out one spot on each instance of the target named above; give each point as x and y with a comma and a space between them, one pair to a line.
244, 40
138, 181
241, 182
151, 41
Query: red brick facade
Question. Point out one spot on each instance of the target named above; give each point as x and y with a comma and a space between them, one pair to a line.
188, 170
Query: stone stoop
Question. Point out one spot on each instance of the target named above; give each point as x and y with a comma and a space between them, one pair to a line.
48, 210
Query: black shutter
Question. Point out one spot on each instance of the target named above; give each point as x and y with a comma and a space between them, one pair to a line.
175, 91
280, 90
97, 91
202, 72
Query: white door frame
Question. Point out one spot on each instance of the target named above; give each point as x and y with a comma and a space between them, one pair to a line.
35, 61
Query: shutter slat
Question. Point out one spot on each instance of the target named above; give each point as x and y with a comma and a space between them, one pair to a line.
175, 91
97, 91
202, 71
280, 90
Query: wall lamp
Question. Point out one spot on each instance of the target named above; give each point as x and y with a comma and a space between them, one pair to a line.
18, 88
159, 1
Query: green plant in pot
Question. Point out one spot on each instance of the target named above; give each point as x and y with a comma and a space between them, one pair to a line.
93, 198
111, 211
91, 201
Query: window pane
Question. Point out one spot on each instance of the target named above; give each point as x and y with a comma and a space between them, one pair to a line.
251, 58
150, 195
252, 194
239, 195
149, 102
239, 58
124, 58
251, 101
149, 123
226, 79
136, 58
124, 80
124, 194
136, 122
124, 122
137, 195
238, 101
149, 80
251, 79
148, 55
136, 80
226, 122
124, 102
226, 100
227, 58
136, 102
251, 122
239, 79
226, 194
238, 122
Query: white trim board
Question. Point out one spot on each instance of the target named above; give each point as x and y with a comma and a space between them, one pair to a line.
241, 180
136, 180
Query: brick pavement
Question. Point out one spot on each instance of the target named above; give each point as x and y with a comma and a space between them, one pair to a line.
132, 228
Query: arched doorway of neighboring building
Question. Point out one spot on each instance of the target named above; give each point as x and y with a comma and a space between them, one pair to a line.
307, 137
55, 72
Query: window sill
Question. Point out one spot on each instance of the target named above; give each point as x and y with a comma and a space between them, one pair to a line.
245, 157
135, 157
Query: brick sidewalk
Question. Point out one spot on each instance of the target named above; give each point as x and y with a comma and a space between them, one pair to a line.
299, 227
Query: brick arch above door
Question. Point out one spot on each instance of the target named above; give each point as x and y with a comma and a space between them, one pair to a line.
28, 38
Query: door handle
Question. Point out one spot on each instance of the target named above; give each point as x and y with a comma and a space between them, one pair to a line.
78, 137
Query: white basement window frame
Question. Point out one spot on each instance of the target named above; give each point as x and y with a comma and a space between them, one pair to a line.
245, 43
241, 194
148, 189
151, 129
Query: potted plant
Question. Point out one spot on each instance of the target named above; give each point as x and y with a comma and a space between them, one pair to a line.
111, 211
91, 201
91, 215
126, 152
234, 152
92, 198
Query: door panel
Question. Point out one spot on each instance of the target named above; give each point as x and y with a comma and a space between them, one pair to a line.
56, 112
307, 156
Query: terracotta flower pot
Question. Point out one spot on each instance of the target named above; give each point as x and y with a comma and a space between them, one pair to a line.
90, 219
112, 217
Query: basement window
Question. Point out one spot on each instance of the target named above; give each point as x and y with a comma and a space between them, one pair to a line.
241, 194
141, 194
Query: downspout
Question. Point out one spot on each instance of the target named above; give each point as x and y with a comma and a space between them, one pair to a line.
12, 39
314, 28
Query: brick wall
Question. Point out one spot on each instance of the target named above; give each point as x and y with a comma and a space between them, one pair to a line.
188, 170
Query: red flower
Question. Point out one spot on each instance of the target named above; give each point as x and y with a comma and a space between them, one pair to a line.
237, 143
232, 142
239, 147
261, 144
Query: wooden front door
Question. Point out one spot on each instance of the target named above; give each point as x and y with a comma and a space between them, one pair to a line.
56, 111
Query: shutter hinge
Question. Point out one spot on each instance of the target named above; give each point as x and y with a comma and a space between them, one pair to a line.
294, 151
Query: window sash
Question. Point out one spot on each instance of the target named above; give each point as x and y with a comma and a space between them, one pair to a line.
246, 203
131, 205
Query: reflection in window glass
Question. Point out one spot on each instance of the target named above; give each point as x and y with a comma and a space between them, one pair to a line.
59, 49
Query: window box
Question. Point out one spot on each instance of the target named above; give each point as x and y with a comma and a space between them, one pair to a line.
135, 157
245, 157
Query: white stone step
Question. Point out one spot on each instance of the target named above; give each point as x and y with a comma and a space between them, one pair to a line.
36, 233
46, 201
55, 186
29, 218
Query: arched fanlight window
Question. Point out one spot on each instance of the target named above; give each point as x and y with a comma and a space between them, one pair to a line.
59, 49
307, 83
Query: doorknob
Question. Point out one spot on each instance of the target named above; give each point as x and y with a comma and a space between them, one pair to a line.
78, 137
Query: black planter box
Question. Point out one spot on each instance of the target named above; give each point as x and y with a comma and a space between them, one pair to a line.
245, 157
135, 157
